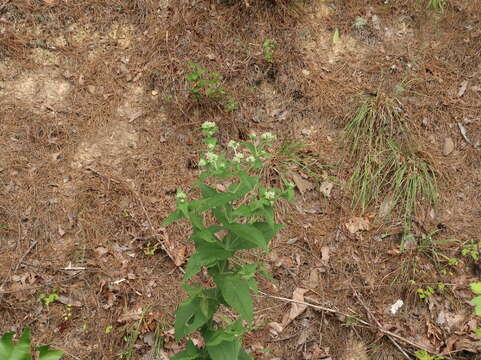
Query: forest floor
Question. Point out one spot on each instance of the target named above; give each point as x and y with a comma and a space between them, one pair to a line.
97, 131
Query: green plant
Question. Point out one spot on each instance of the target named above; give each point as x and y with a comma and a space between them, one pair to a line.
235, 213
425, 294
424, 355
208, 85
21, 350
268, 49
437, 4
472, 249
388, 170
47, 299
476, 288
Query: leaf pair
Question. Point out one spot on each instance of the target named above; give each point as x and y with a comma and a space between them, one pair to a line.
9, 350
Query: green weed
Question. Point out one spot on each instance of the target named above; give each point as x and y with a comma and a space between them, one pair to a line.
424, 355
268, 50
21, 350
241, 217
388, 170
437, 4
48, 299
472, 249
204, 84
476, 288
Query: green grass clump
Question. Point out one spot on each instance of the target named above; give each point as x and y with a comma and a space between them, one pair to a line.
21, 350
388, 169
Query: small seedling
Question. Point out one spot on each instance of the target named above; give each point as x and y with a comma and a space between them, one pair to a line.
108, 329
437, 4
203, 83
336, 37
425, 294
240, 214
268, 47
476, 288
48, 299
472, 249
208, 85
424, 355
21, 350
359, 23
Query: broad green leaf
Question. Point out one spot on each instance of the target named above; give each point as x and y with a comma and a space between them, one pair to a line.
243, 355
476, 288
22, 349
206, 254
477, 305
267, 230
220, 199
229, 333
173, 217
226, 350
249, 235
236, 293
194, 312
46, 354
6, 345
190, 353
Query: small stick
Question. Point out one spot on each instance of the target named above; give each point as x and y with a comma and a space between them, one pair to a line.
332, 311
379, 326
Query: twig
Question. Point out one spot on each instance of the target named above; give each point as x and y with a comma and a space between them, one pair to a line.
332, 311
380, 326
162, 245
24, 256
48, 283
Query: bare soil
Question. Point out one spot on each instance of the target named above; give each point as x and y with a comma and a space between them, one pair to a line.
97, 131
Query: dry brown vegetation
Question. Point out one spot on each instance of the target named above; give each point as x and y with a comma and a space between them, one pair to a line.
97, 131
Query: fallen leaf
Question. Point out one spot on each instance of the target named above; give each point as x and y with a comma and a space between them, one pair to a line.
101, 251
69, 301
313, 281
325, 254
296, 309
49, 2
326, 188
462, 88
448, 146
356, 224
302, 184
131, 315
276, 328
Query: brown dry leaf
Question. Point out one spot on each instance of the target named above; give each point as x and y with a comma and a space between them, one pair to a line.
69, 301
313, 281
448, 146
101, 251
302, 184
296, 309
131, 315
325, 254
356, 224
462, 88
179, 256
326, 188
50, 2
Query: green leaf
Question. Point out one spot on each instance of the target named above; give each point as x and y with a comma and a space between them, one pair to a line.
477, 305
220, 199
191, 352
267, 230
243, 355
476, 288
249, 235
226, 350
236, 293
478, 332
46, 354
206, 254
173, 217
11, 351
336, 37
6, 345
194, 312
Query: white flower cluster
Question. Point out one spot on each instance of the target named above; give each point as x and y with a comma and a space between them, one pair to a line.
209, 128
181, 196
268, 136
270, 195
